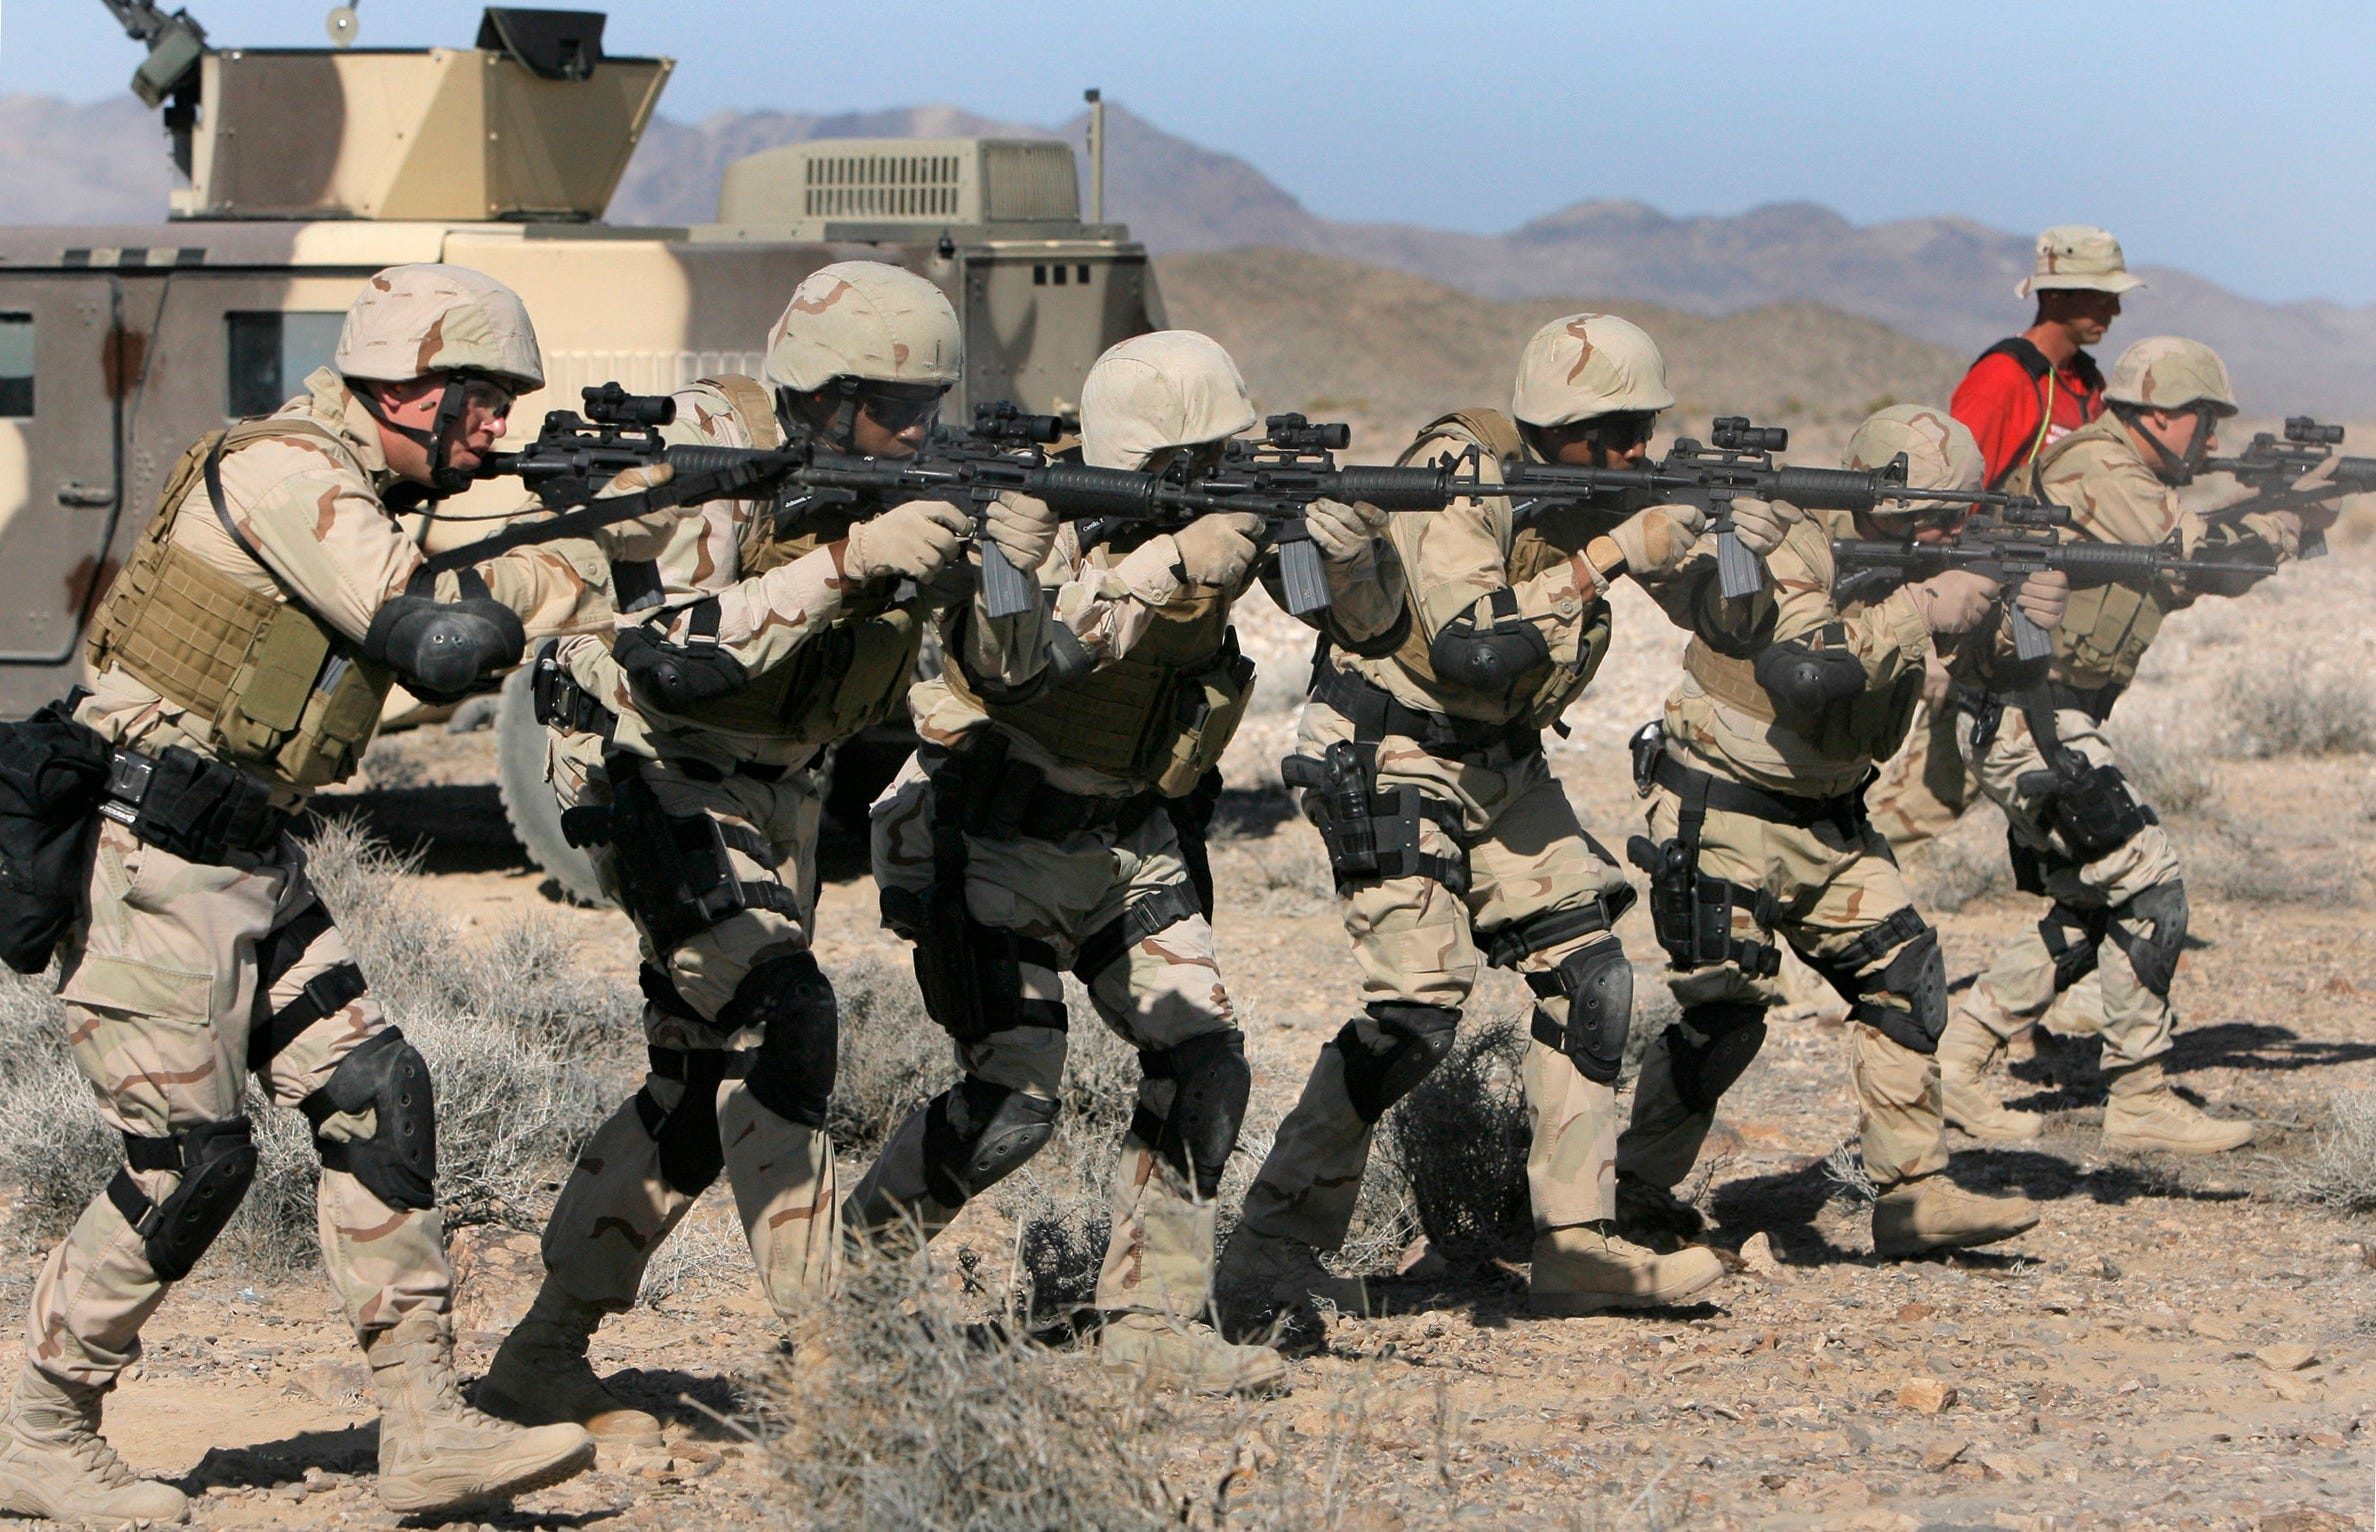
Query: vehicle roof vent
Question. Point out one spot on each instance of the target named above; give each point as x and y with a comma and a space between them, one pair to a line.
916, 182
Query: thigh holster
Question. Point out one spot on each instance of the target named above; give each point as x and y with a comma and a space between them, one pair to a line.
675, 877
1372, 834
2089, 807
217, 1163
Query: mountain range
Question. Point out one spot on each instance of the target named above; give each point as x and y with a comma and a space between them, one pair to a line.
1943, 279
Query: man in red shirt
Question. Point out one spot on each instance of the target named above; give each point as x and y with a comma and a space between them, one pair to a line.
2030, 390
2025, 393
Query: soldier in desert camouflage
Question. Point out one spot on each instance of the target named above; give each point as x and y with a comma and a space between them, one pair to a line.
1422, 762
1758, 829
1044, 829
239, 663
687, 749
2079, 834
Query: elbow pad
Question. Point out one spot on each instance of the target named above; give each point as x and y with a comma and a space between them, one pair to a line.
1490, 660
443, 650
1804, 680
672, 678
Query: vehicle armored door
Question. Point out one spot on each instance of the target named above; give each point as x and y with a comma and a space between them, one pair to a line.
61, 381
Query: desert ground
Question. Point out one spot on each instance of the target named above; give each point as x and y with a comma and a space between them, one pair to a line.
2179, 1344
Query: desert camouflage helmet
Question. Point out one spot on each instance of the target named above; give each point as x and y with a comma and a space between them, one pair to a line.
1586, 365
1939, 449
1171, 388
411, 321
863, 319
2078, 255
2169, 372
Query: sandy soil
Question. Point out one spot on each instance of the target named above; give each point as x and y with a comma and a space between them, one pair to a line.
2177, 1345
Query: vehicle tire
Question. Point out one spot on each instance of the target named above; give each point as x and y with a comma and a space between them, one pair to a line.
528, 800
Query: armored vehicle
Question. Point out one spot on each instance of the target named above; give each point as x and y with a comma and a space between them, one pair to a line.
309, 168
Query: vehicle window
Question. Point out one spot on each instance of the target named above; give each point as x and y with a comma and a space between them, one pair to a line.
16, 366
270, 355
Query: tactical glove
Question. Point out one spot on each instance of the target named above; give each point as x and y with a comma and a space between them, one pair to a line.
913, 541
1657, 538
1024, 529
1954, 601
1344, 533
1217, 550
2043, 597
1762, 524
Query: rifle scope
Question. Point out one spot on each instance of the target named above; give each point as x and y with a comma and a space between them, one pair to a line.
1003, 420
611, 405
1293, 433
2303, 429
1734, 433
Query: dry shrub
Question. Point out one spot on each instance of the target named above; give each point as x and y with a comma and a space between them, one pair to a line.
2298, 703
1963, 866
2340, 1170
1460, 1142
509, 1026
2169, 762
894, 1056
893, 1412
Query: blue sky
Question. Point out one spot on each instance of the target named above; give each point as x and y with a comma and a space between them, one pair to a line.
2237, 142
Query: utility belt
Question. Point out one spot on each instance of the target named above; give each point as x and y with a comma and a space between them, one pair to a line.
999, 798
200, 810
563, 704
2096, 702
674, 875
1375, 713
1691, 913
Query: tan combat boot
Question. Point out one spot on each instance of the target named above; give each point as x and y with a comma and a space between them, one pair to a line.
1933, 1213
540, 1376
1185, 1353
1261, 1274
1653, 1216
437, 1453
2145, 1114
1966, 1050
55, 1464
1587, 1270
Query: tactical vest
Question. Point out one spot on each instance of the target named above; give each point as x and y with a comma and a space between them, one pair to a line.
850, 677
2106, 629
1162, 714
1530, 554
280, 690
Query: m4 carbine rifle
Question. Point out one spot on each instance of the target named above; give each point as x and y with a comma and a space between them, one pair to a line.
1738, 463
2273, 470
2019, 545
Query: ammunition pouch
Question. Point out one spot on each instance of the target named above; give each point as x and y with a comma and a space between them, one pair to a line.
1162, 715
198, 809
1372, 834
691, 1155
850, 677
675, 877
52, 770
560, 703
217, 1163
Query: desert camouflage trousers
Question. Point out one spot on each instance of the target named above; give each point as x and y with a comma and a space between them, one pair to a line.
1926, 787
1158, 992
166, 989
1419, 943
1833, 887
2023, 982
694, 1115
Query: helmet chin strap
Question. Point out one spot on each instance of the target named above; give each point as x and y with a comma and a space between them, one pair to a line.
2177, 470
839, 429
444, 478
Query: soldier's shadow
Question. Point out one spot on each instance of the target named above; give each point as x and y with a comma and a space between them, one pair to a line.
704, 1405
1783, 1206
2043, 1176
2259, 1046
268, 1465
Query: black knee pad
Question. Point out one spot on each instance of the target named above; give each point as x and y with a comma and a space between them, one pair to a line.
790, 999
217, 1161
1416, 1039
978, 1134
398, 1162
1210, 1083
1917, 975
2072, 937
1598, 983
691, 1156
2151, 929
1703, 1072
